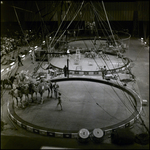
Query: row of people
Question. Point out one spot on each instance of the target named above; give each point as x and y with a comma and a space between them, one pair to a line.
10, 43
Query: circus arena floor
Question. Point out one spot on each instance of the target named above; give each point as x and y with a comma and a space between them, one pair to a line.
85, 104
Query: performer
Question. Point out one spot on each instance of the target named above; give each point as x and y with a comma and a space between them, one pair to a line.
59, 100
74, 34
51, 88
55, 87
32, 56
51, 72
19, 61
65, 71
104, 72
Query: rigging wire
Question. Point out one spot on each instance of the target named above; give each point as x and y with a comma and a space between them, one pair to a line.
104, 24
41, 16
73, 86
62, 33
43, 34
100, 12
94, 59
113, 88
108, 20
20, 26
99, 16
139, 114
42, 59
59, 26
18, 51
117, 82
63, 23
100, 105
71, 21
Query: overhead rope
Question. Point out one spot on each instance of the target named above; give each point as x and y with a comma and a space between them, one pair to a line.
128, 98
21, 27
19, 49
113, 87
108, 20
125, 93
41, 15
100, 105
43, 34
59, 26
63, 32
42, 59
117, 74
71, 21
107, 13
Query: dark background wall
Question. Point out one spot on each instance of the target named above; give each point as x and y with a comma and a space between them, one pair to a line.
132, 15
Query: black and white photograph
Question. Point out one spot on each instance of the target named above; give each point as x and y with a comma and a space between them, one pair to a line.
75, 74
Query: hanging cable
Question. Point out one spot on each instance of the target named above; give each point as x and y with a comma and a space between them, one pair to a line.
20, 26
138, 112
117, 82
64, 31
24, 36
104, 60
112, 87
108, 20
100, 105
41, 16
59, 26
71, 21
43, 33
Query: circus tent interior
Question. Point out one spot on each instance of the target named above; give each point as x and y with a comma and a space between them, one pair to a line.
75, 74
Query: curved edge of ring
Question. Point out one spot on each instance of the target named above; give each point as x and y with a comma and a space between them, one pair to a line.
46, 132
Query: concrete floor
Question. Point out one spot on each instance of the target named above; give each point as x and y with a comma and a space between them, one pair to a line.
12, 135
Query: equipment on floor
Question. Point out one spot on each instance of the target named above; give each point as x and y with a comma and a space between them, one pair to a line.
41, 54
122, 136
97, 135
77, 57
144, 102
142, 138
83, 136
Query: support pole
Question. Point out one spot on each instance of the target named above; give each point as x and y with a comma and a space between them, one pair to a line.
68, 63
68, 66
47, 42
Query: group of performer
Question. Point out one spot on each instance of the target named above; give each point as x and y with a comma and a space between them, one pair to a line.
57, 94
54, 88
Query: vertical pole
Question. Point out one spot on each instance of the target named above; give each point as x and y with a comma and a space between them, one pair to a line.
47, 42
68, 65
66, 38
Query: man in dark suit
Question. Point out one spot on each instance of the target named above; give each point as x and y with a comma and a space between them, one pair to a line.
19, 61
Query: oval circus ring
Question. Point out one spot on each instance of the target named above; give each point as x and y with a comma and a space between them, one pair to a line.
63, 134
82, 72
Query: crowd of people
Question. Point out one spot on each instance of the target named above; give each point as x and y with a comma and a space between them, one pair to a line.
10, 43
